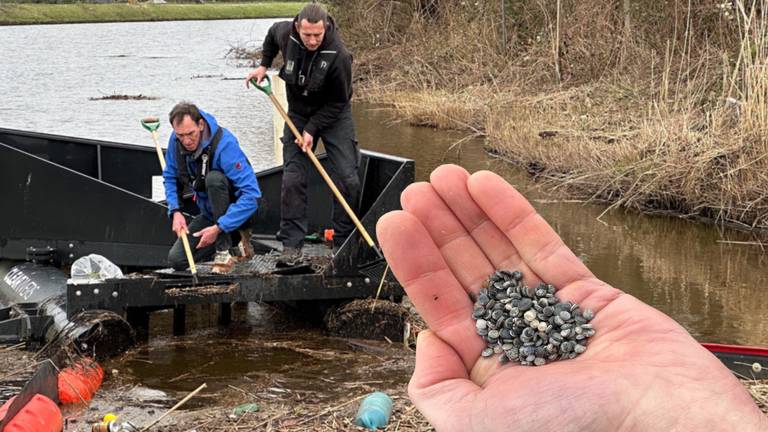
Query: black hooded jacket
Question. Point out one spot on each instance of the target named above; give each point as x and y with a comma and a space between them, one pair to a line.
319, 83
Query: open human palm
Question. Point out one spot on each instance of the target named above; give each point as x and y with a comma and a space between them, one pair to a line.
641, 371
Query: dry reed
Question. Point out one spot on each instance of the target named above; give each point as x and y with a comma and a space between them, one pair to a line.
759, 392
659, 107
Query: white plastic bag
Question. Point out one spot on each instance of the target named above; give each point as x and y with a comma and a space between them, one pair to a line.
94, 268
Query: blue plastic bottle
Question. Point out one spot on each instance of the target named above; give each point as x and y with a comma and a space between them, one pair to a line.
374, 412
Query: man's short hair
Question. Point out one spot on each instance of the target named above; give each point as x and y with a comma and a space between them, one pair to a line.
313, 13
183, 109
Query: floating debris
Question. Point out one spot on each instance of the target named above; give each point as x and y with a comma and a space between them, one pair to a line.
248, 55
758, 389
199, 76
530, 326
123, 97
355, 319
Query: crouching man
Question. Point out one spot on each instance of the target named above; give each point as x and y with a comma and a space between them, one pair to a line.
208, 158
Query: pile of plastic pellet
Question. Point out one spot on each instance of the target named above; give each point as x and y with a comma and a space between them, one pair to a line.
528, 325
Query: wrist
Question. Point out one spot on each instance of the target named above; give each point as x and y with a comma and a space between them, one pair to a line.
310, 129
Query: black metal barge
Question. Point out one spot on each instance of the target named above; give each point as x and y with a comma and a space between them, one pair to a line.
67, 197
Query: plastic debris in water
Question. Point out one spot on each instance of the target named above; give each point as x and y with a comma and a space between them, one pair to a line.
374, 411
245, 408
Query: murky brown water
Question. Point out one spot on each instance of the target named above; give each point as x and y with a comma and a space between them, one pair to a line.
715, 289
264, 347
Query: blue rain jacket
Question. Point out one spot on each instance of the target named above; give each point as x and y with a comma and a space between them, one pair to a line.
230, 160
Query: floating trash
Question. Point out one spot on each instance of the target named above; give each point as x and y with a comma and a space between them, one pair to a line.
374, 411
526, 325
245, 408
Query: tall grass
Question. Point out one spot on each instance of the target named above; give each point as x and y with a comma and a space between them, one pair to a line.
660, 107
13, 13
689, 153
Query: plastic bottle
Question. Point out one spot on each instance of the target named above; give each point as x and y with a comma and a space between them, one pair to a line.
374, 411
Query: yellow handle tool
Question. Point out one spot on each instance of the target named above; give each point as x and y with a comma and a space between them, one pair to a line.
152, 124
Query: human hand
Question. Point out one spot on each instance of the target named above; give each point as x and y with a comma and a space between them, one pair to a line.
641, 371
179, 225
259, 73
305, 143
207, 235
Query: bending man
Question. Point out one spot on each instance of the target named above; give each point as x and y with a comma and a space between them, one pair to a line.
208, 159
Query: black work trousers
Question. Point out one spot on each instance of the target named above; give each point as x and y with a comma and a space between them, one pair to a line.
220, 195
344, 154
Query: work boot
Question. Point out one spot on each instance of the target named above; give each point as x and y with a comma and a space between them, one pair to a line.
246, 249
223, 262
290, 257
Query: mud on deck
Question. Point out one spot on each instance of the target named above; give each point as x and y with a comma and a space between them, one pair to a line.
317, 258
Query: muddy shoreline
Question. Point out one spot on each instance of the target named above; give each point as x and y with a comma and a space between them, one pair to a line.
299, 376
330, 405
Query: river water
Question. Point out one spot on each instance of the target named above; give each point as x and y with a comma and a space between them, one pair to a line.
50, 74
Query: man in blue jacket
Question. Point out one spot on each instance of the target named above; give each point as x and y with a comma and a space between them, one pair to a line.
208, 159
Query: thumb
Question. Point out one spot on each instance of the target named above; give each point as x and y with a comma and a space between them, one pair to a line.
198, 234
440, 384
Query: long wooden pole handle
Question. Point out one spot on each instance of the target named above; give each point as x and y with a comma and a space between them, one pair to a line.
159, 150
341, 199
188, 251
323, 173
184, 239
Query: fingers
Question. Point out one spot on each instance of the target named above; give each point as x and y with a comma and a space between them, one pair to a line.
450, 182
302, 145
421, 269
539, 246
252, 75
439, 384
463, 256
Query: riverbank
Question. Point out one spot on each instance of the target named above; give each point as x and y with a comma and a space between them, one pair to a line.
274, 406
656, 109
18, 14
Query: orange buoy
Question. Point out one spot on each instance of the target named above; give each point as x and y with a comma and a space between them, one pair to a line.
40, 414
80, 382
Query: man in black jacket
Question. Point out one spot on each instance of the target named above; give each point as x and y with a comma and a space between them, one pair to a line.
317, 72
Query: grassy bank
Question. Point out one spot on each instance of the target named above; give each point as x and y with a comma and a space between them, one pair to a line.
655, 107
11, 14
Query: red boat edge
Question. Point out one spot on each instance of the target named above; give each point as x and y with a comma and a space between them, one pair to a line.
745, 362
